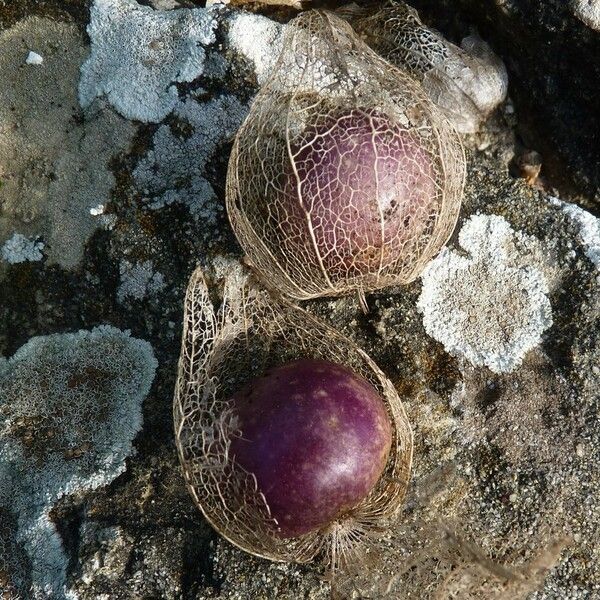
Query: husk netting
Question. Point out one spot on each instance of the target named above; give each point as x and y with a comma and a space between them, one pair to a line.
221, 352
466, 86
328, 82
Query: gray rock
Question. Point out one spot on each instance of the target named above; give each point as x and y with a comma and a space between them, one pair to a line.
544, 46
52, 170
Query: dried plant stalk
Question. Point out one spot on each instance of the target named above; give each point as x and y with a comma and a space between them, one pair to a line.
297, 4
345, 176
467, 83
222, 352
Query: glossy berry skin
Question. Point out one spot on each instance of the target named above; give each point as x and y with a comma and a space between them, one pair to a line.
317, 438
360, 191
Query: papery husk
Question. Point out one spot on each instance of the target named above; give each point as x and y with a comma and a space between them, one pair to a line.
325, 70
467, 83
224, 350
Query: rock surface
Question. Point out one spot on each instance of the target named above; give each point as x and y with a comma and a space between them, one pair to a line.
70, 407
505, 498
54, 166
544, 46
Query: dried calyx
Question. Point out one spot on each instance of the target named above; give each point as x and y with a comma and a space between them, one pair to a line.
251, 336
345, 176
466, 83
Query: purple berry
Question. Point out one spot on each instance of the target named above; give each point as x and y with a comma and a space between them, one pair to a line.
316, 436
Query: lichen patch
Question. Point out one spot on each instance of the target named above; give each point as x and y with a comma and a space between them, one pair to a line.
490, 306
139, 55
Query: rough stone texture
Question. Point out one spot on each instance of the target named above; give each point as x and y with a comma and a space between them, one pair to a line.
545, 47
506, 464
53, 169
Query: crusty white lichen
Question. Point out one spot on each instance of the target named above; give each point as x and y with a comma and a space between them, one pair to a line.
138, 280
589, 228
20, 248
70, 406
489, 306
258, 39
15, 568
33, 58
174, 169
139, 54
